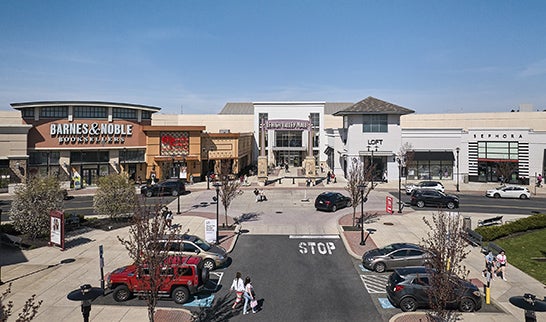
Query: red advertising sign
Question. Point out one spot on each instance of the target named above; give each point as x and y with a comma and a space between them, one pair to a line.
56, 222
388, 203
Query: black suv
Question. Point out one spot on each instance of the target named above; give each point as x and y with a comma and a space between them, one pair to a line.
172, 187
421, 198
407, 288
331, 201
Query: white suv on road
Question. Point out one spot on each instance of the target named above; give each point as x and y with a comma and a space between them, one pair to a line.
434, 185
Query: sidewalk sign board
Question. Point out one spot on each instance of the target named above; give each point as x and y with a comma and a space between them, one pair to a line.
210, 230
388, 202
56, 222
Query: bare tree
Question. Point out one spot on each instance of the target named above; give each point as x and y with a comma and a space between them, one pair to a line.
445, 241
506, 169
115, 196
229, 190
150, 258
358, 177
28, 312
407, 156
32, 204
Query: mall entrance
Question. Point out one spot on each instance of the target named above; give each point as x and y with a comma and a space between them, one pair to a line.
293, 158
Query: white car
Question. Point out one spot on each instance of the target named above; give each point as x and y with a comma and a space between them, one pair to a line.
434, 185
509, 192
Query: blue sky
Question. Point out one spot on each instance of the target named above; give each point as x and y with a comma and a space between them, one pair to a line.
195, 56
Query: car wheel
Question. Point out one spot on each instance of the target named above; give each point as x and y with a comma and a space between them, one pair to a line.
180, 295
209, 264
496, 195
148, 194
334, 208
408, 304
205, 275
523, 197
420, 203
174, 193
467, 305
450, 205
121, 293
379, 267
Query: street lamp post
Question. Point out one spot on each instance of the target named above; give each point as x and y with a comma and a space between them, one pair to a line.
217, 186
399, 185
371, 149
458, 149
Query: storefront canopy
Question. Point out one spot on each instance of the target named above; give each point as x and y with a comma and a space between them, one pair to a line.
433, 155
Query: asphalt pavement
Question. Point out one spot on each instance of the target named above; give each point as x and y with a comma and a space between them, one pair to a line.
51, 273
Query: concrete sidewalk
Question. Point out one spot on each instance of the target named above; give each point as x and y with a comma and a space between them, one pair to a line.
39, 271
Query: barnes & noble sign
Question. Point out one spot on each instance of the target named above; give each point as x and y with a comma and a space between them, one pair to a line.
74, 133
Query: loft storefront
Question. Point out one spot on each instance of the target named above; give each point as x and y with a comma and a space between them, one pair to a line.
82, 141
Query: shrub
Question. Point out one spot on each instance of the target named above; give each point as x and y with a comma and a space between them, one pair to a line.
524, 224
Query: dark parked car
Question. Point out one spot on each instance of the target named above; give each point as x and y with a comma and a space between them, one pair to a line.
421, 198
407, 288
395, 255
332, 201
172, 187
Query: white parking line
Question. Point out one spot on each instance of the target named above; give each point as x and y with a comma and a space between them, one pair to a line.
375, 283
313, 237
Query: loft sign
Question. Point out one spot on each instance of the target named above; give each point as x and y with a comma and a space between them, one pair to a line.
90, 132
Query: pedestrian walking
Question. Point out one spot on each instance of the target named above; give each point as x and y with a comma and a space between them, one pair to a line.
501, 262
239, 287
489, 270
169, 218
257, 194
262, 195
328, 177
250, 297
539, 180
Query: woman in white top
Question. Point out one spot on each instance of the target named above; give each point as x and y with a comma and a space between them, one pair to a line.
249, 296
239, 287
501, 261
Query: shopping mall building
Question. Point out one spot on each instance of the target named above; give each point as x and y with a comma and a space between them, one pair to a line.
95, 139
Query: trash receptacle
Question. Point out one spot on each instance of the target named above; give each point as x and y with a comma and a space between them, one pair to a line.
465, 178
467, 223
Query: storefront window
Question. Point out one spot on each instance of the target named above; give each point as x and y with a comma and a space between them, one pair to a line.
288, 139
430, 169
93, 112
54, 112
375, 123
124, 113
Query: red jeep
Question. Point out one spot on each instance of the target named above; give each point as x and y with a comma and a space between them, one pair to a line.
182, 276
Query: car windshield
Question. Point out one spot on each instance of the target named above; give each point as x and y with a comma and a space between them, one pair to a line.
202, 244
387, 249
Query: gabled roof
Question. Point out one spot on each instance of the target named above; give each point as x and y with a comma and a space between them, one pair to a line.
372, 105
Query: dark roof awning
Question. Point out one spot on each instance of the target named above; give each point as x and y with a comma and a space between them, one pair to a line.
433, 156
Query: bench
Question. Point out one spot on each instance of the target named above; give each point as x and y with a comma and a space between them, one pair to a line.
494, 248
11, 240
490, 221
473, 238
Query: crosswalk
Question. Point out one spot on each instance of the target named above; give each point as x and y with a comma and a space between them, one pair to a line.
375, 284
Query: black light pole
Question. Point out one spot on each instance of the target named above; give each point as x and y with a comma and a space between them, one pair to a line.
217, 211
399, 185
458, 149
178, 196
